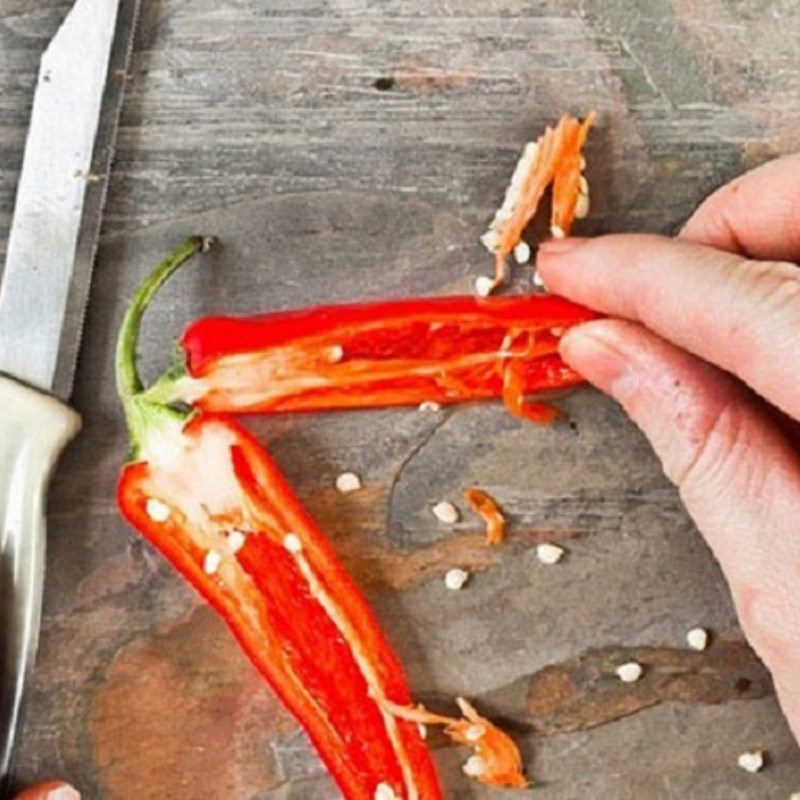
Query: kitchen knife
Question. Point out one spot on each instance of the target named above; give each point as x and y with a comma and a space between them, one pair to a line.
44, 290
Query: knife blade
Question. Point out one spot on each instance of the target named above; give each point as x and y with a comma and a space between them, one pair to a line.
43, 294
61, 192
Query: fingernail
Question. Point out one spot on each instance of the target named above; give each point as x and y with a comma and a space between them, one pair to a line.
560, 247
593, 350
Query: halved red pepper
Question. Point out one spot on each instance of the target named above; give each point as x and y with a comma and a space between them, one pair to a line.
203, 491
398, 352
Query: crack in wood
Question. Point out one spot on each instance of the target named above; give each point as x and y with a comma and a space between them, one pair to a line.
408, 458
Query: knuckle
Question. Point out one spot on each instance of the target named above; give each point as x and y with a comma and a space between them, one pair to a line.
766, 287
758, 337
717, 446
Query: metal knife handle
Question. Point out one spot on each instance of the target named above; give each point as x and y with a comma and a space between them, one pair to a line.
34, 429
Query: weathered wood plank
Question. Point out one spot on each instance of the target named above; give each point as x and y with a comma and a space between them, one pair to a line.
341, 149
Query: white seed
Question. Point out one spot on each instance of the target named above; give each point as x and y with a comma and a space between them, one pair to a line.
549, 553
446, 512
582, 206
474, 766
211, 562
455, 579
475, 733
235, 541
583, 185
697, 638
430, 407
156, 510
490, 240
336, 353
557, 232
583, 163
557, 330
484, 286
538, 280
383, 791
522, 253
423, 730
292, 543
630, 672
752, 761
348, 482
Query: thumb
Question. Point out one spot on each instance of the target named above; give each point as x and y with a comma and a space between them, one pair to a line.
736, 474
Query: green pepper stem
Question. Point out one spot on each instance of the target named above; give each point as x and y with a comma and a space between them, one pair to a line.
129, 383
141, 415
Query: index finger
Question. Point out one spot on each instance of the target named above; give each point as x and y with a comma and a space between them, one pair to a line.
743, 316
755, 215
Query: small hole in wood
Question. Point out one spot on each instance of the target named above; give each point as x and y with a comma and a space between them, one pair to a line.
743, 685
384, 84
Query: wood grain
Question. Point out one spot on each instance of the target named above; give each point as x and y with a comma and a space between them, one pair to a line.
348, 149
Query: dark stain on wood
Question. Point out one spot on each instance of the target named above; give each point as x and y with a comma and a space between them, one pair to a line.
173, 697
422, 79
586, 692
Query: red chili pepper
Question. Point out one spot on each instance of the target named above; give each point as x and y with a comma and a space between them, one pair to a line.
203, 491
402, 352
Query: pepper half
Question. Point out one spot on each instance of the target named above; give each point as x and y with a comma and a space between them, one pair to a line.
400, 352
210, 499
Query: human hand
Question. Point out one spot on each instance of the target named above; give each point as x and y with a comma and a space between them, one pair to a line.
704, 354
53, 790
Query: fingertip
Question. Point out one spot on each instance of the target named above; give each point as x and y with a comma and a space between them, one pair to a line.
595, 350
589, 271
675, 398
554, 258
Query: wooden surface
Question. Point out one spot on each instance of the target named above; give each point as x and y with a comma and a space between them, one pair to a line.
348, 149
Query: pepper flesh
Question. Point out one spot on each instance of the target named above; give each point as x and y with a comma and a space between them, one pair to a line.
555, 158
499, 761
401, 352
483, 504
201, 484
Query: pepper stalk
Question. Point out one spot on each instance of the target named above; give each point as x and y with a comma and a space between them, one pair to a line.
142, 413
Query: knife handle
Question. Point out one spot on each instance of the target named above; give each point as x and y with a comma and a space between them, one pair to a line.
34, 429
